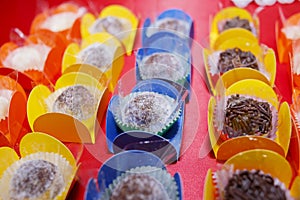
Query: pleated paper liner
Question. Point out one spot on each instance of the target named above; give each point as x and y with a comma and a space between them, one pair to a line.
11, 125
239, 38
167, 182
51, 66
128, 20
71, 31
151, 28
62, 126
41, 146
119, 138
258, 159
230, 13
167, 42
64, 169
156, 128
132, 161
254, 88
112, 72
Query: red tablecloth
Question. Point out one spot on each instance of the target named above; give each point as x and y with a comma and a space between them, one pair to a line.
196, 158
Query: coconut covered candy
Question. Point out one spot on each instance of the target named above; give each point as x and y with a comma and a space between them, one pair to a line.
146, 111
172, 20
113, 25
78, 101
142, 183
98, 55
163, 65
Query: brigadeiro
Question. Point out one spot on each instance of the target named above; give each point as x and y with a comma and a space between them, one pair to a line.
223, 61
245, 115
236, 22
249, 184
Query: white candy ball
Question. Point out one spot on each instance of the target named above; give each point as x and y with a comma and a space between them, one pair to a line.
285, 1
241, 3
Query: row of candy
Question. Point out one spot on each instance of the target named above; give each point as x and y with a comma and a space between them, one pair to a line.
68, 110
148, 114
245, 3
55, 69
247, 122
68, 88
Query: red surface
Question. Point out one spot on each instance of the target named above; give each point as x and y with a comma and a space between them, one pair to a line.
195, 160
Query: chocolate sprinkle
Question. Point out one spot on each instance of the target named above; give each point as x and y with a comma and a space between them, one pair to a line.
34, 178
139, 187
235, 58
236, 22
246, 116
255, 185
76, 101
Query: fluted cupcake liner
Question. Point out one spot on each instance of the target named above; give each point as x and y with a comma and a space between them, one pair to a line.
158, 127
66, 170
219, 119
162, 176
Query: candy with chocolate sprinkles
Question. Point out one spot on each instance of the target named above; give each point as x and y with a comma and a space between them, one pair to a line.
253, 185
237, 22
34, 178
247, 116
235, 58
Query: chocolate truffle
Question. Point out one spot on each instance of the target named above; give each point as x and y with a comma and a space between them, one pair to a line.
148, 111
172, 24
98, 55
162, 65
235, 58
36, 179
237, 22
76, 101
253, 185
247, 116
110, 24
139, 187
